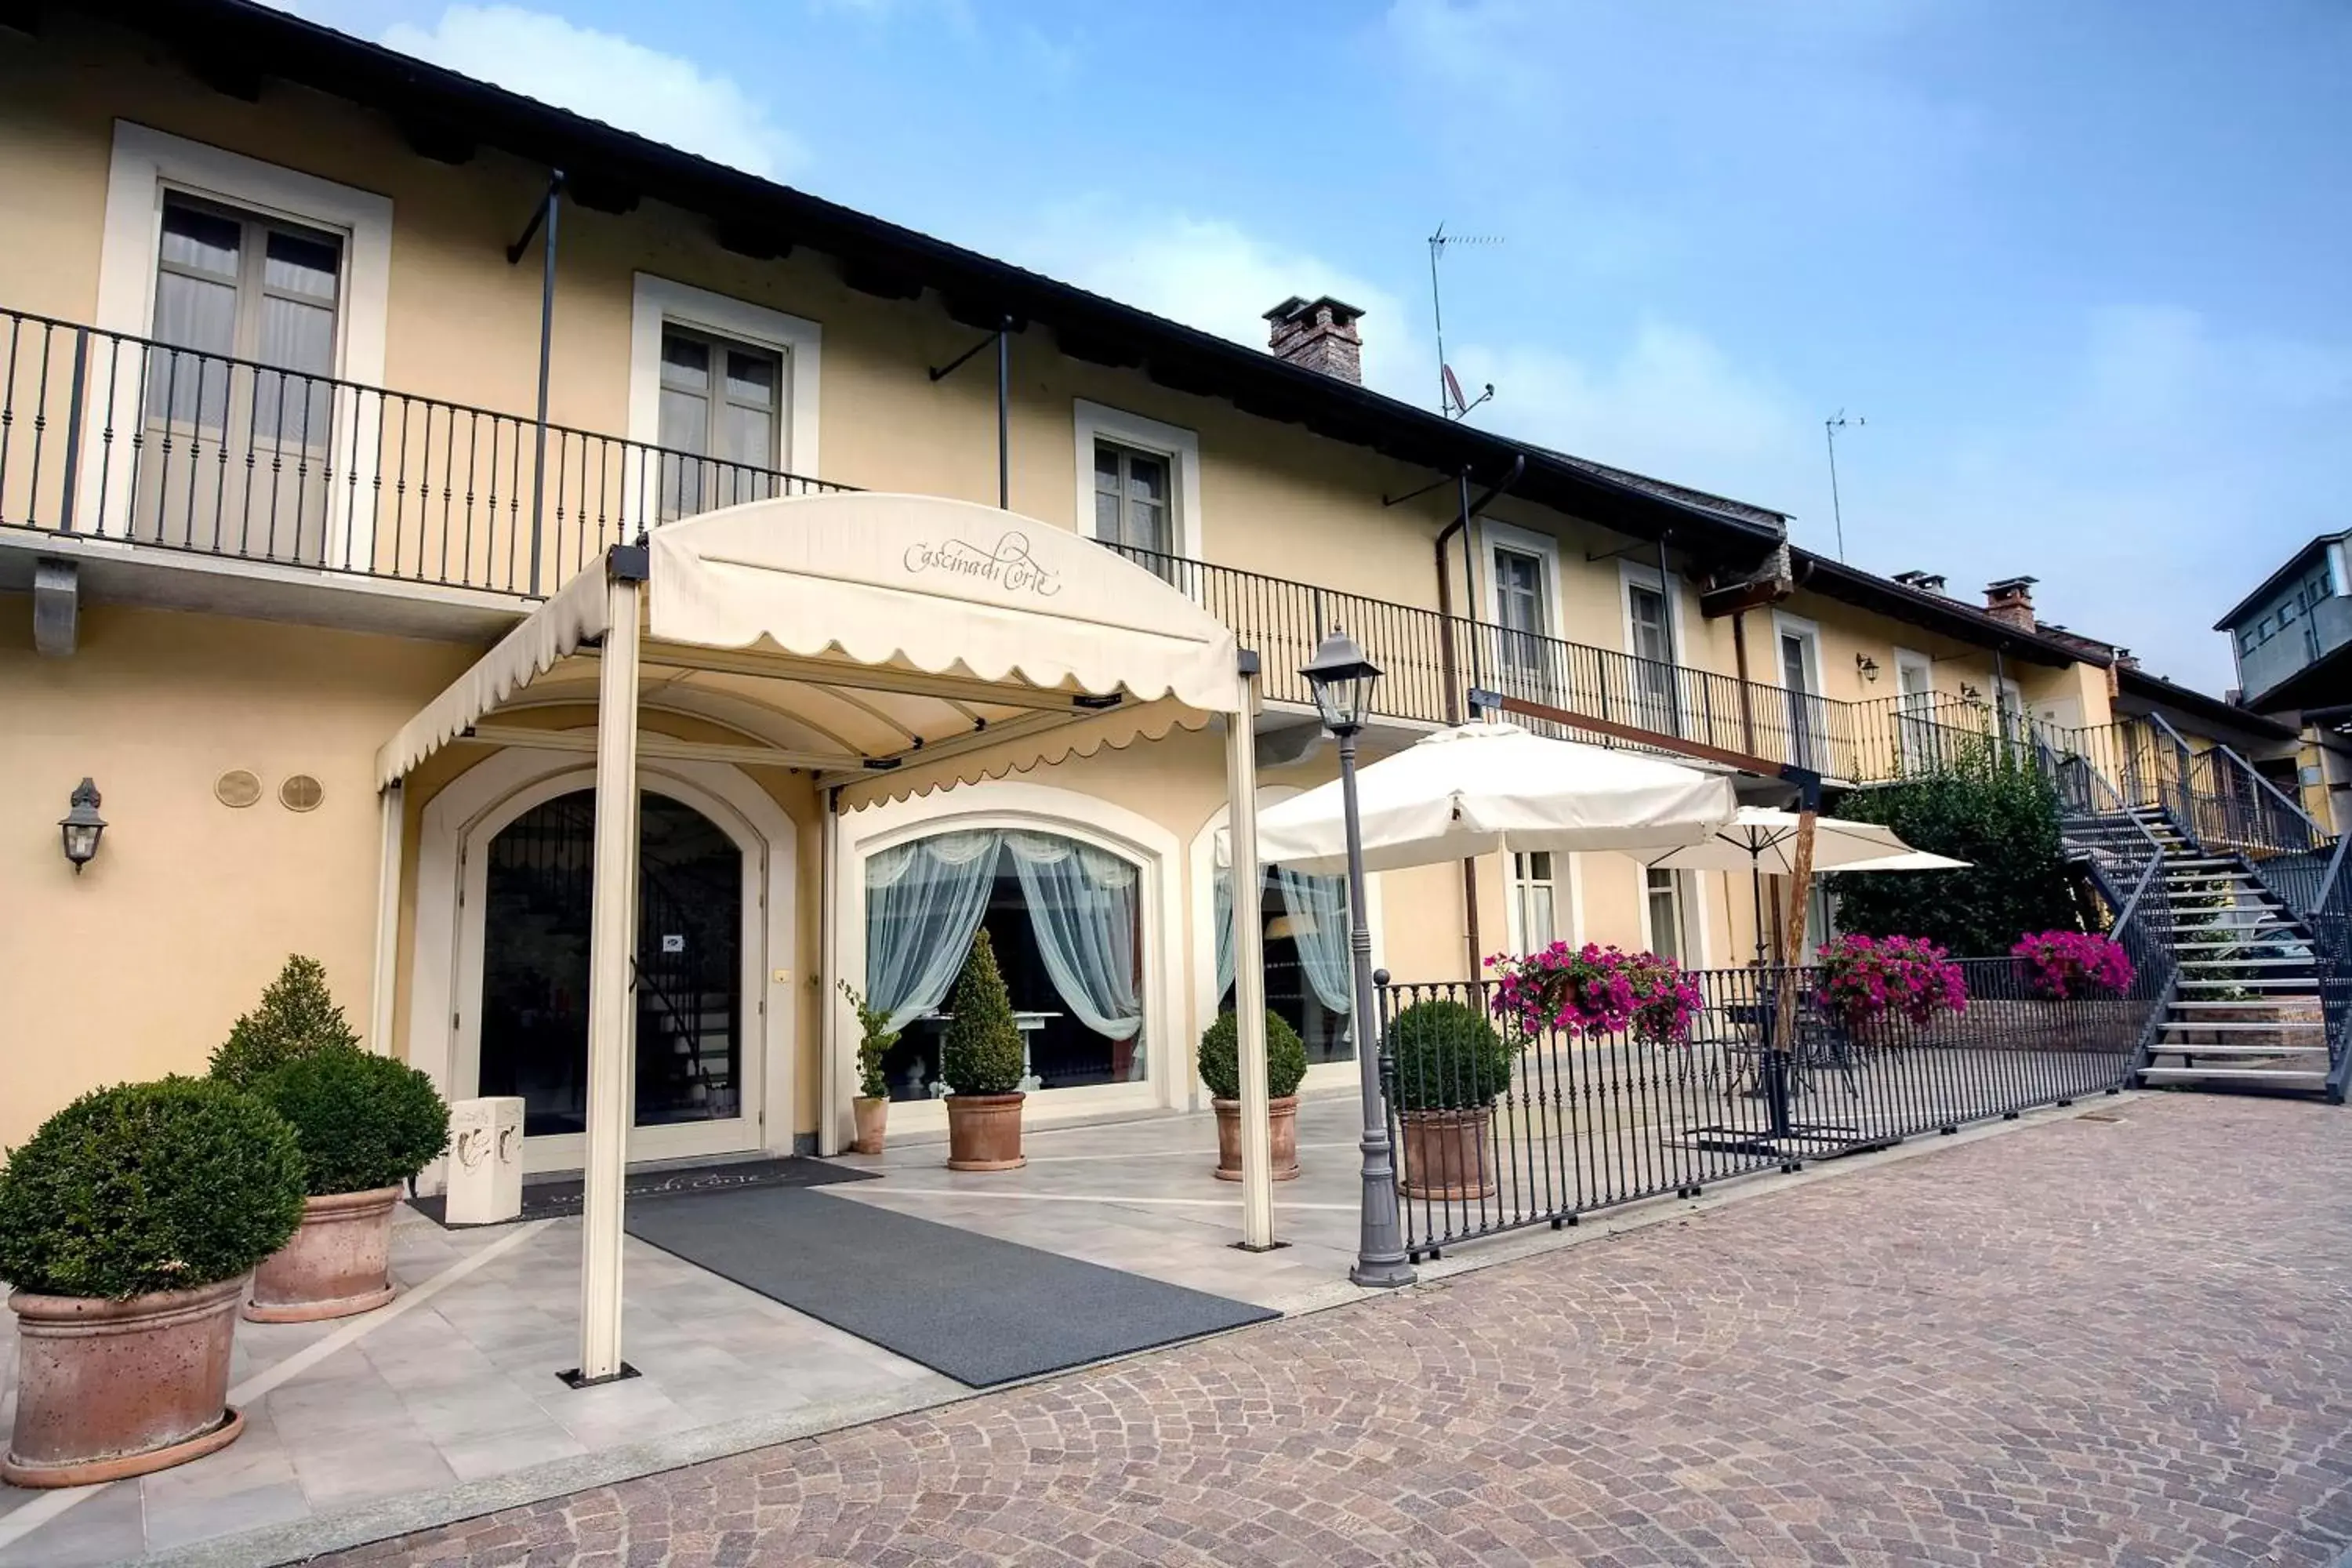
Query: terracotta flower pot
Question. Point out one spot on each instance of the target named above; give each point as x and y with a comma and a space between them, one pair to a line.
338, 1264
1445, 1154
108, 1389
984, 1131
1281, 1123
873, 1121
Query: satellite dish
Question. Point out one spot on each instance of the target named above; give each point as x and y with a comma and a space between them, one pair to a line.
1453, 387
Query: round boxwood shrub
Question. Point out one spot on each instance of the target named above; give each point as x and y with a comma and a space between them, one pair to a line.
1445, 1056
1220, 1063
363, 1121
168, 1185
296, 1016
982, 1053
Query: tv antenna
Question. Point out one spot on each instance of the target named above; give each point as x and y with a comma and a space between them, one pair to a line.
1450, 401
1829, 427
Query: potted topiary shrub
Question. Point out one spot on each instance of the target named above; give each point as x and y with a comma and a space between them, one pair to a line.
872, 1103
1221, 1069
365, 1124
297, 1017
1446, 1066
980, 1060
128, 1223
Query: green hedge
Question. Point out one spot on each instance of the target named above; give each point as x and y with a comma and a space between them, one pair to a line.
363, 1122
148, 1187
2003, 820
1220, 1063
296, 1016
1445, 1056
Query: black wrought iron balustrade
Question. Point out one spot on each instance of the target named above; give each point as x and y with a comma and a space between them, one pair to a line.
117, 437
1580, 1122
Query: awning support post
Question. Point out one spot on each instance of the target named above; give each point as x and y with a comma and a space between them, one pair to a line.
612, 965
392, 823
1249, 964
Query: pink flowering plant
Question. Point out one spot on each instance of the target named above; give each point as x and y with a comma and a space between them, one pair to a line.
1594, 990
2062, 963
1865, 978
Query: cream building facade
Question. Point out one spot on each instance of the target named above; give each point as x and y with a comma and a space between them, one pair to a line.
273, 474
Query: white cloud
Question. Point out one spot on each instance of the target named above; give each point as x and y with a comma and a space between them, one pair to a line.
1670, 404
1210, 274
605, 76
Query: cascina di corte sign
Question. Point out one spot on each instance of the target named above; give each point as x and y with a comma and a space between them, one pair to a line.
1008, 564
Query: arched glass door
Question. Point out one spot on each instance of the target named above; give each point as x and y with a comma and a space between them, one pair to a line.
690, 1024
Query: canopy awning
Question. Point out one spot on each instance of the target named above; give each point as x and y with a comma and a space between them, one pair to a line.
869, 631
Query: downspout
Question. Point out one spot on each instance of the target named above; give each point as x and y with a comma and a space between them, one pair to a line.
1466, 509
1747, 696
543, 220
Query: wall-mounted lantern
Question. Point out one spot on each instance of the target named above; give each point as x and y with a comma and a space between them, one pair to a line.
1867, 665
81, 825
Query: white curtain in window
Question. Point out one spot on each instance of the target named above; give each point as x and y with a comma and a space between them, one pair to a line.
923, 902
1082, 907
1318, 907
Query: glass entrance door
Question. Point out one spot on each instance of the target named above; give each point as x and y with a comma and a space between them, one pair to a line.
691, 1090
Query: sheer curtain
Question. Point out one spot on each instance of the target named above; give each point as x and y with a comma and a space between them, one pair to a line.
1082, 907
923, 902
1318, 907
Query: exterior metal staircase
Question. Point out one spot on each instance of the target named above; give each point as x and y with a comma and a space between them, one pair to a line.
2245, 1010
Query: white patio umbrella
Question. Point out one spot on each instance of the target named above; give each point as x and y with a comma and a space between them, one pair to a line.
1763, 840
1478, 789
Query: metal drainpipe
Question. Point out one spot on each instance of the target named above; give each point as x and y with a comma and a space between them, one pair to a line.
546, 336
1465, 509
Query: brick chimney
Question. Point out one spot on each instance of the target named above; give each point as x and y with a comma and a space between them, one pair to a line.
2010, 600
1320, 334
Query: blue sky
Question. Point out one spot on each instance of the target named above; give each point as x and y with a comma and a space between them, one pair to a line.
2081, 266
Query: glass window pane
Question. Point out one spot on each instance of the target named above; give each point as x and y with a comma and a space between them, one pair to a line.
1107, 517
297, 337
751, 379
685, 421
685, 363
1146, 527
1106, 467
302, 263
191, 313
749, 438
1147, 478
194, 237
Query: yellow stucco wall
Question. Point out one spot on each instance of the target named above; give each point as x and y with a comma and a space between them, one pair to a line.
139, 965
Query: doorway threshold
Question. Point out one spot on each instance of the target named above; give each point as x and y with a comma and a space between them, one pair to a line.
560, 1197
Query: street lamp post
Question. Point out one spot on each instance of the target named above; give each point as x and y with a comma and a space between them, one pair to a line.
1341, 679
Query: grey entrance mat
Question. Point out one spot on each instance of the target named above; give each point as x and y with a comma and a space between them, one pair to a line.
557, 1200
982, 1310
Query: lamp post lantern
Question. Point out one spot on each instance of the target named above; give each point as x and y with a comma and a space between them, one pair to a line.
1342, 679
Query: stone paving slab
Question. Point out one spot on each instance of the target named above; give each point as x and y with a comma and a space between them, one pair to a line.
2119, 1338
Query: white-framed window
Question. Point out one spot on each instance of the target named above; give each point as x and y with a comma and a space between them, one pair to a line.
1653, 637
1665, 913
1139, 483
224, 258
1521, 572
1797, 661
722, 396
1916, 734
1133, 496
1534, 901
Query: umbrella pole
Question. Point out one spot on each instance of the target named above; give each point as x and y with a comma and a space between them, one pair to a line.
1782, 1057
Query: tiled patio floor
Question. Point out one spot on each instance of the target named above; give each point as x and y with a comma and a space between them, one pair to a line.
448, 1399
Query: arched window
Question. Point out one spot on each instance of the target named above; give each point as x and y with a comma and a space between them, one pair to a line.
1064, 918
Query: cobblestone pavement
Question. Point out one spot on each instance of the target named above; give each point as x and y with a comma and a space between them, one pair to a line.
2091, 1340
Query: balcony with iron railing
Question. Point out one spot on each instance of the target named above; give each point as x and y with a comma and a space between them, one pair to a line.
107, 436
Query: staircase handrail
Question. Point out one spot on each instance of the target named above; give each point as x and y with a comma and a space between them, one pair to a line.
2319, 835
2185, 763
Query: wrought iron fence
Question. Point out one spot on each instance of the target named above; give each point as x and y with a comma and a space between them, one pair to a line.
1495, 1131
1921, 735
120, 436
